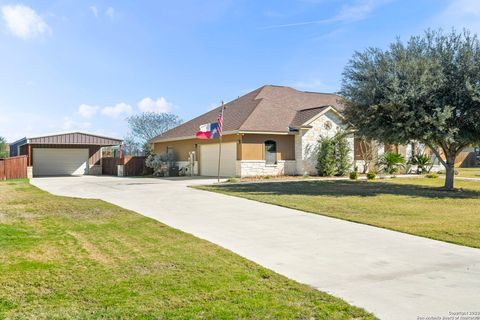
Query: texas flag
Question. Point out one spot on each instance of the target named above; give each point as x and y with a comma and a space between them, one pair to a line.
211, 130
208, 131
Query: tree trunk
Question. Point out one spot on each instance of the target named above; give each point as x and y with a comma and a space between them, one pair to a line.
451, 153
449, 172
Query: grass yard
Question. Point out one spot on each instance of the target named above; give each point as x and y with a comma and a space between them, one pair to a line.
412, 205
468, 172
64, 258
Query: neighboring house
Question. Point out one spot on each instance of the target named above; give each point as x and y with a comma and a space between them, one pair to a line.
273, 130
72, 153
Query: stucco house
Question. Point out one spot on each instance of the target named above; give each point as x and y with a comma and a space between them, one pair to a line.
272, 130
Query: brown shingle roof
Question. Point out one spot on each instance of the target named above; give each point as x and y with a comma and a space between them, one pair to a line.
304, 115
266, 109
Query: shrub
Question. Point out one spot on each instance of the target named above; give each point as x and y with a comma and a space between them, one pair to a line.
156, 161
432, 175
391, 162
422, 161
334, 155
354, 175
326, 157
342, 151
371, 175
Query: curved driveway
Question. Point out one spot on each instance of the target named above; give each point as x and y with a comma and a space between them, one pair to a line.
394, 275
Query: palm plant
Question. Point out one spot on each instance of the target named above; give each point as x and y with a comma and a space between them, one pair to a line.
391, 162
422, 161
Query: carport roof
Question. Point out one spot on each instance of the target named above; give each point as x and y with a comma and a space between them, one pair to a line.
71, 138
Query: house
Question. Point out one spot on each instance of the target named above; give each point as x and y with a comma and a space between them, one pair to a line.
273, 130
71, 153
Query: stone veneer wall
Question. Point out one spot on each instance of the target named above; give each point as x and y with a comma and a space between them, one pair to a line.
252, 168
306, 142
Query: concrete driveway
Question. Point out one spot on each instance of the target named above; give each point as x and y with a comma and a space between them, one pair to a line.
394, 275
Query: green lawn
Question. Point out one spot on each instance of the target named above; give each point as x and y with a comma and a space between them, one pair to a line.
468, 172
64, 258
414, 205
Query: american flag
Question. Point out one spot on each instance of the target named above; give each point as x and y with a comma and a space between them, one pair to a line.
220, 124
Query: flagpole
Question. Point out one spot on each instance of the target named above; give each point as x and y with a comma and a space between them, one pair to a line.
220, 147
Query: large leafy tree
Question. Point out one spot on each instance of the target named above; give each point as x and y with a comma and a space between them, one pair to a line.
3, 148
146, 126
427, 90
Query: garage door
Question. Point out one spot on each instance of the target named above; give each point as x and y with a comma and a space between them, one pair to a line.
209, 159
57, 162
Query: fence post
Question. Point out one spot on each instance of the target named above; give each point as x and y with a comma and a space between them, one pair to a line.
2, 170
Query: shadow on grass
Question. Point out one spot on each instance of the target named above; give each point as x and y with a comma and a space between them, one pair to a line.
347, 188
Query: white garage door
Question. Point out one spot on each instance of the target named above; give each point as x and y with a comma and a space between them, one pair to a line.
57, 162
209, 159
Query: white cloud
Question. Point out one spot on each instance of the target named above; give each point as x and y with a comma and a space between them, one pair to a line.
87, 111
110, 12
94, 10
24, 22
160, 105
70, 124
120, 109
349, 13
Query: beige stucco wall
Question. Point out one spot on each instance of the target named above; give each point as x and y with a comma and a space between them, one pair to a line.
249, 147
182, 148
253, 147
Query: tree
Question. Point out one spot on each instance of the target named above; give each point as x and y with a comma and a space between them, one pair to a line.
368, 151
146, 126
4, 152
426, 90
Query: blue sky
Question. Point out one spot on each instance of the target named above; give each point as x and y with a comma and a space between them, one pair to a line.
86, 65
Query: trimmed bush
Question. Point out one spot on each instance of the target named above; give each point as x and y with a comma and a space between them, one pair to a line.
371, 175
432, 175
354, 175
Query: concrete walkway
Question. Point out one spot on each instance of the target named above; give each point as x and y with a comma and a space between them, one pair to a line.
393, 275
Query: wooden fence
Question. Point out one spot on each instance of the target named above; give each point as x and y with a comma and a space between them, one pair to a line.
109, 166
13, 168
132, 166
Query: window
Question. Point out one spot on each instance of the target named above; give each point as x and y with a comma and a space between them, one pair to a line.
270, 152
169, 150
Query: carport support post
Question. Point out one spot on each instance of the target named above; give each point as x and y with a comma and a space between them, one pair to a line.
29, 161
220, 146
